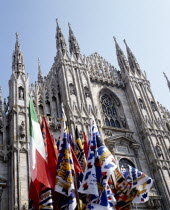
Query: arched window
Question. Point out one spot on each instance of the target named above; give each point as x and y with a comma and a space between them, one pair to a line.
125, 163
141, 103
48, 109
109, 110
41, 109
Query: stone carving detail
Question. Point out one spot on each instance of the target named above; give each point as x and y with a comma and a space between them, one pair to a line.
22, 130
153, 106
159, 150
21, 93
72, 89
1, 122
87, 92
25, 207
141, 103
123, 121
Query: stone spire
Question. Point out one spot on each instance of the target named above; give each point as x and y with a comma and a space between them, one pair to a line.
122, 61
0, 99
18, 58
1, 109
60, 40
131, 58
74, 47
168, 82
40, 75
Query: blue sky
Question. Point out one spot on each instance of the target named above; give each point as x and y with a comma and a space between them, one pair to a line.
144, 24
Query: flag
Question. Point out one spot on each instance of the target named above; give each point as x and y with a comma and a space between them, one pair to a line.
105, 166
85, 145
89, 183
124, 172
39, 169
142, 183
64, 178
51, 149
46, 201
80, 150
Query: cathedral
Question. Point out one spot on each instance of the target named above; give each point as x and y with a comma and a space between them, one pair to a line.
135, 127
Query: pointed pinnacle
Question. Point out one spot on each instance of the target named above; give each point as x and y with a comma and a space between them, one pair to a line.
57, 21
125, 42
38, 60
114, 39
69, 25
17, 35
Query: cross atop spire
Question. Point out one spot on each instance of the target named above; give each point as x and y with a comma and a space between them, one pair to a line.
60, 40
131, 58
74, 46
168, 82
122, 61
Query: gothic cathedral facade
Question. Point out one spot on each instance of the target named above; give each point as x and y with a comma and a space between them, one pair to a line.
132, 124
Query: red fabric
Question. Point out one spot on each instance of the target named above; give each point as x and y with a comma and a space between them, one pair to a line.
45, 171
34, 192
51, 149
42, 177
85, 145
77, 166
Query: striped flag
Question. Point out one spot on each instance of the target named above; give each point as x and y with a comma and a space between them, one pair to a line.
46, 201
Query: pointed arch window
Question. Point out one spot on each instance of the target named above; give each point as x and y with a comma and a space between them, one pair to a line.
109, 110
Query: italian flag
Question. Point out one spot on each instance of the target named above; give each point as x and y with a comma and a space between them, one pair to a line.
39, 169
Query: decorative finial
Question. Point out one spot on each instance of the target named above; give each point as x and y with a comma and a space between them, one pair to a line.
114, 38
38, 60
69, 25
16, 35
57, 21
125, 42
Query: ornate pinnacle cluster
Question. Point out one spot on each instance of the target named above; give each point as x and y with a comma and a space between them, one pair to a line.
102, 71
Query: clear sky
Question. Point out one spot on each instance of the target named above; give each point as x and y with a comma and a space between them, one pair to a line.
145, 24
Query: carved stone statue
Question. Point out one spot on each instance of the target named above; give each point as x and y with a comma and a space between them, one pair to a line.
22, 130
123, 121
25, 207
153, 106
1, 122
21, 93
159, 150
72, 89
